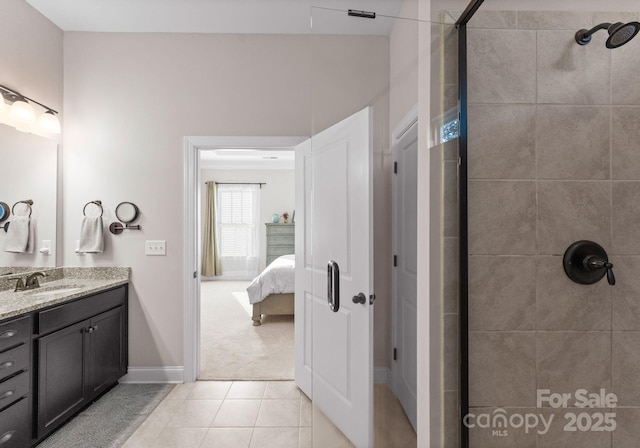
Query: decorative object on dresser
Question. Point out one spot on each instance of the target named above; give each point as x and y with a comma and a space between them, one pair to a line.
280, 240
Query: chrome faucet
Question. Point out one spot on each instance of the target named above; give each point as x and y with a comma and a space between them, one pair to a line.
32, 280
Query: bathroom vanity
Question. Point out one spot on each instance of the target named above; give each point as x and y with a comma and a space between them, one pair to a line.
61, 346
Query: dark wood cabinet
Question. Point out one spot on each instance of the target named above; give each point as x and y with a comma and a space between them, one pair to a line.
57, 360
62, 375
15, 382
77, 361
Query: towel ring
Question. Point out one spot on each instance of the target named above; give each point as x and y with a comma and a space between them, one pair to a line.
98, 203
28, 202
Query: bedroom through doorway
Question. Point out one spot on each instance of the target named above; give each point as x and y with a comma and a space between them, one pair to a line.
246, 213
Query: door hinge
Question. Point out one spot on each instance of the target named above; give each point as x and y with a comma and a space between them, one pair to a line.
395, 261
395, 354
395, 167
195, 274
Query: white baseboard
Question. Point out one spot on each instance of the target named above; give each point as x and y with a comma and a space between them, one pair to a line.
381, 375
171, 374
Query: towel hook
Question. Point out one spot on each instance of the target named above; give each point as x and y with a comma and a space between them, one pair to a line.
28, 202
98, 203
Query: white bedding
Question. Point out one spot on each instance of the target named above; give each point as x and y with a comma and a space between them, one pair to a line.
278, 278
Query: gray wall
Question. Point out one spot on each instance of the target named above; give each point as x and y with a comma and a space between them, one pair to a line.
554, 157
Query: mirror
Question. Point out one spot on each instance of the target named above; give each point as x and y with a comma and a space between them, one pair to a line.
127, 212
29, 172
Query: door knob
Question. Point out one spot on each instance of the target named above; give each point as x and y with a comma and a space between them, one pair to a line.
360, 298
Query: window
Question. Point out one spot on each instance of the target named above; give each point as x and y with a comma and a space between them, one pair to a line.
237, 220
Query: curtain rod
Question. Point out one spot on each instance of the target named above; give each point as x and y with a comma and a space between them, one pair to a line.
239, 183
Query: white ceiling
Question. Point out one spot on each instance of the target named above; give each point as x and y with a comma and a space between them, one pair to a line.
215, 16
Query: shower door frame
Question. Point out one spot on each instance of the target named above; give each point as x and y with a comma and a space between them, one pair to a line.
463, 229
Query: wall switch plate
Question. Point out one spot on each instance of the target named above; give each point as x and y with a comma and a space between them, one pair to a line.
45, 247
155, 247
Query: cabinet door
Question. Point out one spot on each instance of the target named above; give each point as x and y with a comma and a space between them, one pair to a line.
107, 361
62, 375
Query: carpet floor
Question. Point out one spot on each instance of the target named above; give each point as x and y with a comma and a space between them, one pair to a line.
111, 420
231, 348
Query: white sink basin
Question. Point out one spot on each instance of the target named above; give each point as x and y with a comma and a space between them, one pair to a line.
53, 291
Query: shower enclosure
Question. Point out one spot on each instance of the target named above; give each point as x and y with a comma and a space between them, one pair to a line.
549, 156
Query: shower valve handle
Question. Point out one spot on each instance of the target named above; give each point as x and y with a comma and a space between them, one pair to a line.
595, 263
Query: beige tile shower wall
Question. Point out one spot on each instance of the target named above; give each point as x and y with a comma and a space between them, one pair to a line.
553, 158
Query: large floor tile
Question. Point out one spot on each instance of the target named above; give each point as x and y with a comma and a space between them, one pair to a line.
282, 389
275, 438
247, 389
209, 390
279, 412
227, 438
180, 438
234, 413
195, 414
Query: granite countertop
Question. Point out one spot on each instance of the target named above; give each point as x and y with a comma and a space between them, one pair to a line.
61, 285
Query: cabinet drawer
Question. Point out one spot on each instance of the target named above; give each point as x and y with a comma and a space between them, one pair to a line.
14, 360
280, 250
280, 230
14, 332
281, 240
15, 425
69, 313
14, 389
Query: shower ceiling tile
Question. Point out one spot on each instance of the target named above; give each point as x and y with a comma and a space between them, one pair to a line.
573, 211
625, 143
501, 66
502, 368
626, 294
569, 73
502, 141
565, 305
502, 217
626, 367
568, 361
502, 293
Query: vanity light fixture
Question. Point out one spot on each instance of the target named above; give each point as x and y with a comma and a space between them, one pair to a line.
23, 116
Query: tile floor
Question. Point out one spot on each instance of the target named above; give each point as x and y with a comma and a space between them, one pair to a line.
252, 414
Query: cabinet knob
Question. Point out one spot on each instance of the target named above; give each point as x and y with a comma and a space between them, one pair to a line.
7, 394
6, 365
6, 437
8, 334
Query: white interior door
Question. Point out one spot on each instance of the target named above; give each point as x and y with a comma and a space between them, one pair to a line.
405, 242
334, 342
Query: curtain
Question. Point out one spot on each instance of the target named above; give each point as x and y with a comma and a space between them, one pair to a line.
210, 259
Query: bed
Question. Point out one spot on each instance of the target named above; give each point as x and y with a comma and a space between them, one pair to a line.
272, 292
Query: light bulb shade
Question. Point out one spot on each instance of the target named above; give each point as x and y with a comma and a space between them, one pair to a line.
22, 116
49, 123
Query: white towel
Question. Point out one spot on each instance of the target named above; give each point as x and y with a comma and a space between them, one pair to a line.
19, 236
91, 239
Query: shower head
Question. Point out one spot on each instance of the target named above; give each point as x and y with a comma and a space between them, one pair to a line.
619, 33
